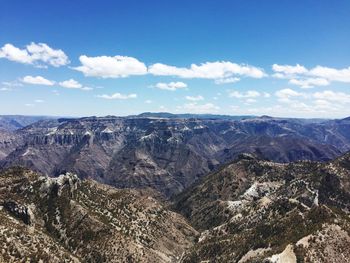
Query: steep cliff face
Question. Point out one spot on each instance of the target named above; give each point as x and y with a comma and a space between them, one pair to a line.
8, 143
258, 211
65, 219
167, 154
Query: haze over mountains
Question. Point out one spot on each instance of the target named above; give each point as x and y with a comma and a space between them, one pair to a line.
15, 122
163, 151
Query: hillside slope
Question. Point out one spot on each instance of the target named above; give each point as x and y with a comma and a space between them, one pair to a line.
68, 220
259, 211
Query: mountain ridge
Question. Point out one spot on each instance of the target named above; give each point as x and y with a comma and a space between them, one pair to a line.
165, 154
257, 211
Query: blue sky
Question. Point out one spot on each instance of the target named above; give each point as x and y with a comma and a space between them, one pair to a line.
82, 58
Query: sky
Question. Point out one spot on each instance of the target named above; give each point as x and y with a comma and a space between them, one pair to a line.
281, 58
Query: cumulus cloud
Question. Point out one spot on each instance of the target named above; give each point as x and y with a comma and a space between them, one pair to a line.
300, 104
194, 98
118, 96
285, 95
70, 84
122, 66
309, 83
73, 84
37, 54
221, 71
312, 104
336, 97
38, 80
331, 74
111, 67
288, 69
172, 86
308, 78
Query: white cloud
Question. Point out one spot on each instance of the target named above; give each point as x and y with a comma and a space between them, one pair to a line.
118, 96
39, 101
29, 105
38, 80
227, 80
194, 98
171, 86
37, 54
248, 94
111, 67
324, 105
310, 82
307, 78
285, 95
70, 84
219, 71
332, 74
13, 53
148, 101
310, 104
288, 69
299, 104
336, 97
199, 108
73, 84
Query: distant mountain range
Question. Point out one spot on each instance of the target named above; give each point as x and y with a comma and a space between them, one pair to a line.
163, 151
190, 116
15, 122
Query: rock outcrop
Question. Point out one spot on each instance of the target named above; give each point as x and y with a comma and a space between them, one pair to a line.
258, 211
65, 219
